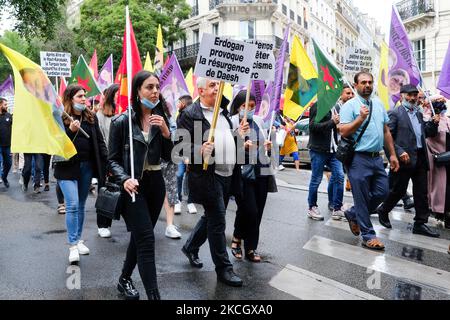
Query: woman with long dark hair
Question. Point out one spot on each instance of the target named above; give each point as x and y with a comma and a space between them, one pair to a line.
257, 180
104, 116
74, 175
151, 141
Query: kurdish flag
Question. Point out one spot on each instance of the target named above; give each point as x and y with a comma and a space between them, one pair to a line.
383, 91
82, 75
159, 52
191, 82
329, 84
37, 126
301, 89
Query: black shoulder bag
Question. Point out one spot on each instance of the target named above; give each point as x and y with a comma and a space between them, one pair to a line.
109, 201
346, 147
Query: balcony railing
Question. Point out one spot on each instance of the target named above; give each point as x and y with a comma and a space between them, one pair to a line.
187, 52
215, 3
411, 8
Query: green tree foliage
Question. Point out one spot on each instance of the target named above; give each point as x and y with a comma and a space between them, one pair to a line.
34, 17
14, 41
103, 24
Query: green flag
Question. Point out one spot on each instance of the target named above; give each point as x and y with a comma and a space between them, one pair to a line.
329, 84
82, 75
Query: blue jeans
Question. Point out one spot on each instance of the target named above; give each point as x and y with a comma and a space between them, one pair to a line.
336, 183
5, 162
180, 176
370, 187
76, 193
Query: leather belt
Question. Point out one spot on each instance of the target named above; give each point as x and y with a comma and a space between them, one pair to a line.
369, 154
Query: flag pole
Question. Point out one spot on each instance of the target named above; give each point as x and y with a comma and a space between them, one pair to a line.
428, 98
129, 76
80, 128
214, 120
112, 68
247, 100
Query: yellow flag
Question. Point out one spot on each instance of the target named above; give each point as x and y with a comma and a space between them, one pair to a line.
190, 82
37, 125
301, 89
148, 64
159, 51
383, 91
228, 91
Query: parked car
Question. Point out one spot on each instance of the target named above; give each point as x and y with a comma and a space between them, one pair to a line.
302, 142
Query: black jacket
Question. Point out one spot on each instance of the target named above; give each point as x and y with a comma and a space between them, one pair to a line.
202, 183
320, 133
404, 137
119, 147
70, 170
5, 129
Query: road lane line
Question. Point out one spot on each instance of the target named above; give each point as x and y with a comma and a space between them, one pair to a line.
381, 262
307, 285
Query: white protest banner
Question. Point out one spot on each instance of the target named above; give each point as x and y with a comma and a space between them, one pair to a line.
264, 65
357, 60
56, 64
225, 60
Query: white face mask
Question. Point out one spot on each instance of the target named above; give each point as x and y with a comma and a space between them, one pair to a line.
148, 104
79, 107
250, 114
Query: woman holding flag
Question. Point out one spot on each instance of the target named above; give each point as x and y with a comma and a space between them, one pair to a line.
257, 179
151, 142
74, 175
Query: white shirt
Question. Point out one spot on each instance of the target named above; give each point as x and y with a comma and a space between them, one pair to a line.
224, 146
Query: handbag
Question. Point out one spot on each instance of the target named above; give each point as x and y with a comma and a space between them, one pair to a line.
346, 147
280, 137
109, 201
442, 159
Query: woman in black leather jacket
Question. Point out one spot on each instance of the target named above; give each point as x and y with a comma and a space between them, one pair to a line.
151, 142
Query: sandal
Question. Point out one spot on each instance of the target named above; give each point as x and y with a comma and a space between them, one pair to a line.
253, 256
236, 248
61, 209
373, 244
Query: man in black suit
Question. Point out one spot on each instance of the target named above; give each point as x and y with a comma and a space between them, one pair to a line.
409, 132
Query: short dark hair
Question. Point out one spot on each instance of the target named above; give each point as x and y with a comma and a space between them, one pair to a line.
3, 100
187, 99
345, 86
359, 74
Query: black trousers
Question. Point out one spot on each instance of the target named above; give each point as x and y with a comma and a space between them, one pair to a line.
400, 181
27, 166
141, 217
46, 167
211, 226
249, 212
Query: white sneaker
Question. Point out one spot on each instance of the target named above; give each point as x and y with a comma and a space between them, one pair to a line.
314, 214
191, 208
338, 215
177, 209
172, 232
73, 254
104, 233
281, 167
82, 249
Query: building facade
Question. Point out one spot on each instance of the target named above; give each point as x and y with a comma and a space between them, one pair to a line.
428, 25
323, 26
241, 19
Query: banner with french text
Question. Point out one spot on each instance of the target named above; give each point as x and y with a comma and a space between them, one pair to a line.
225, 60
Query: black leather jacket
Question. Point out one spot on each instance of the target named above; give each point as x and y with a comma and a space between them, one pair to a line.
158, 147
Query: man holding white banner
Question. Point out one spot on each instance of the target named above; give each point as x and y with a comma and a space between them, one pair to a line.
210, 178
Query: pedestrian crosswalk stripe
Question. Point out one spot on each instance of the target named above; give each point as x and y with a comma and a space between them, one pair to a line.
405, 237
381, 262
409, 218
307, 285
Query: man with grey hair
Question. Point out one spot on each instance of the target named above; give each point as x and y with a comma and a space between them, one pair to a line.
211, 188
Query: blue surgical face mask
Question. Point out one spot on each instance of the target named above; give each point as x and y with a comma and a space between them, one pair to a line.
148, 104
250, 114
79, 107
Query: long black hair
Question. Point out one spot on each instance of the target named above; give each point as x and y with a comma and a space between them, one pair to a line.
137, 83
109, 107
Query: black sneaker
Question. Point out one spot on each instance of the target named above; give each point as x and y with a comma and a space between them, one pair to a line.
127, 289
5, 181
47, 187
37, 190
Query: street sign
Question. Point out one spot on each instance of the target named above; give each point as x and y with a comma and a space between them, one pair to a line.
225, 60
56, 64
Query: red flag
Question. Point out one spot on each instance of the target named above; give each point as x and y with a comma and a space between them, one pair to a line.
93, 65
62, 87
121, 76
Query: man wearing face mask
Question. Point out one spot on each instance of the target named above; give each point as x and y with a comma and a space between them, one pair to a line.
5, 140
409, 131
